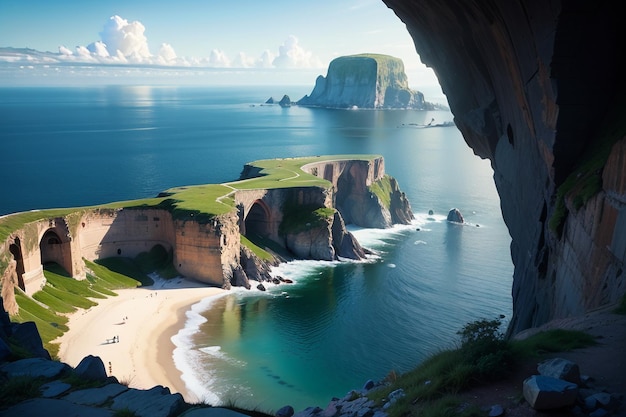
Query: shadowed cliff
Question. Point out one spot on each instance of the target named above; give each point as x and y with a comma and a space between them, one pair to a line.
536, 87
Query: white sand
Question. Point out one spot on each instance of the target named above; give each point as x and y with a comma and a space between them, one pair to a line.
144, 319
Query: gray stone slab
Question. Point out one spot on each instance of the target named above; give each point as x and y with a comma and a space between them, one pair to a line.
54, 389
561, 369
547, 393
34, 367
155, 402
48, 407
95, 396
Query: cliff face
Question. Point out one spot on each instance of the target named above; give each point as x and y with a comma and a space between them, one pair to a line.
298, 213
365, 81
310, 222
537, 88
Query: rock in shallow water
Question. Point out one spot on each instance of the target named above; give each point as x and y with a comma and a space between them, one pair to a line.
455, 215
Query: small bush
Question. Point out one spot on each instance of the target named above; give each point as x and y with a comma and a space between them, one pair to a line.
19, 388
484, 347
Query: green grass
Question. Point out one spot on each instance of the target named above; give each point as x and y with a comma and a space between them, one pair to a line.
557, 340
288, 173
63, 294
258, 251
433, 385
382, 189
49, 324
109, 279
121, 270
20, 388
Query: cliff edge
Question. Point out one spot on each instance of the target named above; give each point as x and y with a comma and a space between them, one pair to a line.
540, 94
368, 81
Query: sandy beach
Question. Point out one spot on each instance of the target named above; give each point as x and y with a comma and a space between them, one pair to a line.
132, 332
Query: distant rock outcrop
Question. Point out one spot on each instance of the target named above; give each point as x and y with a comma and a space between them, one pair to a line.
367, 81
455, 216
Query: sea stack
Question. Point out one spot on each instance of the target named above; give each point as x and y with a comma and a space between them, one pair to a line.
454, 215
367, 81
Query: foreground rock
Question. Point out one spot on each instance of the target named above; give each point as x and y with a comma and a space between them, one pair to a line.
547, 393
553, 389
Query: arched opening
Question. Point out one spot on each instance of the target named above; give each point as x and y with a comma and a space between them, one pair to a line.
16, 250
257, 221
54, 250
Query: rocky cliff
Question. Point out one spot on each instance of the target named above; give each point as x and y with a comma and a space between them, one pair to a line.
310, 222
367, 81
286, 203
537, 87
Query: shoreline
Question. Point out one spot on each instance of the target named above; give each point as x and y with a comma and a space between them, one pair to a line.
143, 320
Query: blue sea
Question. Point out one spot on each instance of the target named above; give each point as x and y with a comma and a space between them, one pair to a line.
340, 323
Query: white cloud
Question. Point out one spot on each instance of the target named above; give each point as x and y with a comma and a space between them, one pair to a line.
218, 58
65, 51
243, 61
292, 55
167, 53
83, 52
265, 60
124, 42
128, 38
98, 49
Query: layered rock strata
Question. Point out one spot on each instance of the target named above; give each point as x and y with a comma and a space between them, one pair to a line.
537, 87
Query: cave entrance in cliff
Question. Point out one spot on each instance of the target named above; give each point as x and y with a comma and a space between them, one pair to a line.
54, 250
257, 221
16, 250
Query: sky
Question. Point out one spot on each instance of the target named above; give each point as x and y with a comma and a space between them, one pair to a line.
280, 41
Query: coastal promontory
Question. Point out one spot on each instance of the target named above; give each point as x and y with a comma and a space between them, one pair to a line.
369, 81
221, 234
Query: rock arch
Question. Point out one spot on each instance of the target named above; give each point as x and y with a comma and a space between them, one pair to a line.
16, 250
55, 246
258, 221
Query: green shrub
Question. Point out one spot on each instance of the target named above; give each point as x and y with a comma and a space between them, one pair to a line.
19, 388
485, 348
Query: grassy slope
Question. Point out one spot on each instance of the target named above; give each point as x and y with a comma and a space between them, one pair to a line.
200, 201
63, 294
287, 173
432, 387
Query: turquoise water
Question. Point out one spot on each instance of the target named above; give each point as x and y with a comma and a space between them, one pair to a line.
340, 323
